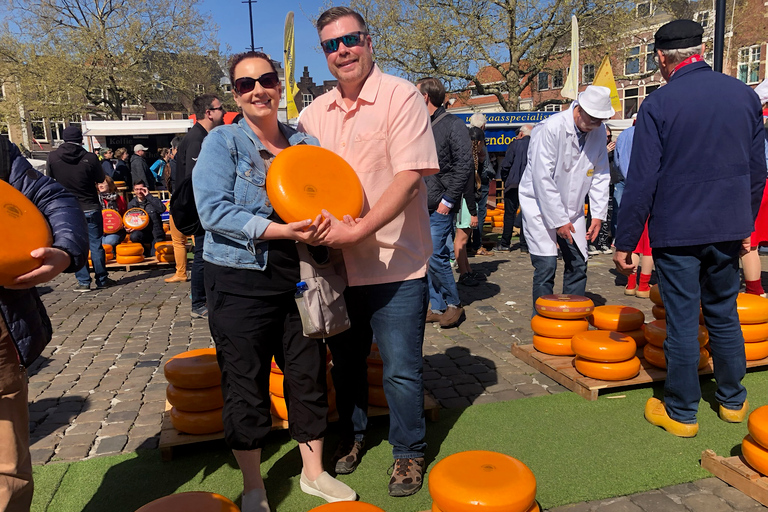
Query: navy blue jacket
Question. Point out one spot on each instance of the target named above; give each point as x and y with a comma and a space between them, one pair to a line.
23, 310
697, 165
515, 160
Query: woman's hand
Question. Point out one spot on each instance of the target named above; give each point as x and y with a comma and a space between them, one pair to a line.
54, 262
306, 231
473, 221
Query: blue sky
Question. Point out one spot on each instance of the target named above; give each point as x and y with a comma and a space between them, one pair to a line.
268, 24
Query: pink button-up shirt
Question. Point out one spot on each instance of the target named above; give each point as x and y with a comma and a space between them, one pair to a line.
386, 131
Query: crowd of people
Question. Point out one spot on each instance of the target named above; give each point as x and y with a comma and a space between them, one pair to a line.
426, 180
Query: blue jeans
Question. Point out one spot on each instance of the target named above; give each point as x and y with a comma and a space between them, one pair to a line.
618, 192
197, 281
706, 274
442, 286
482, 208
394, 313
574, 274
113, 239
95, 231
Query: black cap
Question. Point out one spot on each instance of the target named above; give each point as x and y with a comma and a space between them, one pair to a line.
72, 134
678, 34
476, 133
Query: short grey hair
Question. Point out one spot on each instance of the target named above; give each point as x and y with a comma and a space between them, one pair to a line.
477, 120
525, 130
678, 55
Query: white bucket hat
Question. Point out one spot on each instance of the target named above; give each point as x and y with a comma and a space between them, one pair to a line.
762, 91
596, 101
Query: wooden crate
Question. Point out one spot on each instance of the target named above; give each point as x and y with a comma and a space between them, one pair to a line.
149, 261
561, 370
170, 437
736, 472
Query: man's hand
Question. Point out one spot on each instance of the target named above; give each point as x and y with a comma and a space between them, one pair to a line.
745, 246
344, 233
55, 261
473, 221
565, 232
594, 229
442, 209
623, 262
611, 146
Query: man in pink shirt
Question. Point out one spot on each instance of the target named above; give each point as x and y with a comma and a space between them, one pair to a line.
380, 125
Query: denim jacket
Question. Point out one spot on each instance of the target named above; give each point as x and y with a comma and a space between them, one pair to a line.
229, 180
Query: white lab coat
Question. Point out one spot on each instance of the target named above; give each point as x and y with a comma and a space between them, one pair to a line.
556, 180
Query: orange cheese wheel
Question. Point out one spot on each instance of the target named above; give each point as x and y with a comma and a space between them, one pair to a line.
656, 295
203, 422
129, 260
622, 370
482, 480
23, 229
166, 258
164, 251
555, 328
703, 358
655, 356
195, 400
757, 424
304, 179
113, 221
435, 508
136, 218
164, 246
638, 335
377, 397
617, 318
129, 250
275, 368
195, 501
752, 309
194, 369
347, 506
658, 312
276, 381
604, 346
166, 227
756, 351
376, 375
564, 306
278, 407
107, 249
755, 455
553, 346
755, 332
656, 333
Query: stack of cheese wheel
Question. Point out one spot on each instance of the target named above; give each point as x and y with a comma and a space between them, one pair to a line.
559, 318
753, 317
347, 506
109, 252
277, 394
496, 217
656, 333
754, 447
22, 230
129, 252
376, 378
658, 311
164, 252
482, 480
605, 355
194, 391
624, 319
194, 501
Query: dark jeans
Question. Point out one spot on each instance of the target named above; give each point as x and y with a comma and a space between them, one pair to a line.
476, 240
707, 275
618, 192
145, 238
98, 256
442, 285
574, 274
197, 281
394, 313
511, 204
604, 236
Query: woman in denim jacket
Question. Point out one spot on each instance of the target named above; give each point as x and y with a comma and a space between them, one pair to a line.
251, 271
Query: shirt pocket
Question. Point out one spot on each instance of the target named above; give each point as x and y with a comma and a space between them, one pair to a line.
371, 151
249, 182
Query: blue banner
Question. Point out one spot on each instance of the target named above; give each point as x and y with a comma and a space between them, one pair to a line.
498, 137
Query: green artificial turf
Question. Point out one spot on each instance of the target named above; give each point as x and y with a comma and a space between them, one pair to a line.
578, 450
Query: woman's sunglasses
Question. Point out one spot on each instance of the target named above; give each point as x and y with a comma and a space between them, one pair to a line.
349, 40
246, 84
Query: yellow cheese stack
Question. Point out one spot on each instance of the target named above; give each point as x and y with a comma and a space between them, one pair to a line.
605, 355
753, 317
656, 333
194, 391
129, 253
559, 318
164, 252
623, 319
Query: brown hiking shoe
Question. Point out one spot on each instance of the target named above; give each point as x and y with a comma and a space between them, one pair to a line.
451, 317
433, 317
348, 455
407, 477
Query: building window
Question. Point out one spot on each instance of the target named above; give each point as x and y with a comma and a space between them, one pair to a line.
650, 88
702, 18
650, 62
133, 117
631, 102
199, 89
38, 130
526, 105
643, 9
749, 64
632, 63
557, 79
57, 129
553, 108
588, 73
2, 91
227, 88
307, 99
543, 81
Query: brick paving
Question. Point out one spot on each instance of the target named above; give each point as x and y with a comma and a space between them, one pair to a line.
98, 389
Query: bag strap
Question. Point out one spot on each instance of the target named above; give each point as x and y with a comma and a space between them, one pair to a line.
5, 159
439, 118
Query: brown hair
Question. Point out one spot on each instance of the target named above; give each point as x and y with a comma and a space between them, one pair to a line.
239, 57
119, 152
434, 90
111, 187
335, 13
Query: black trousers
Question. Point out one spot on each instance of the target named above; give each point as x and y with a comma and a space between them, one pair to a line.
248, 332
511, 204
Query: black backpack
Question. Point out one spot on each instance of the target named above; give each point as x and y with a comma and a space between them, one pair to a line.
183, 209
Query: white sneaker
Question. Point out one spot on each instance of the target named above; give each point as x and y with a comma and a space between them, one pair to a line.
606, 250
255, 501
592, 250
327, 487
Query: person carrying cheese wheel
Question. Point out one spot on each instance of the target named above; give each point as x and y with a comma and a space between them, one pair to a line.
568, 160
701, 199
153, 232
111, 200
25, 328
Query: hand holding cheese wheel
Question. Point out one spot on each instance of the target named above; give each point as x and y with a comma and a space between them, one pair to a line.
604, 346
617, 318
22, 229
136, 219
113, 221
195, 501
303, 180
752, 309
564, 306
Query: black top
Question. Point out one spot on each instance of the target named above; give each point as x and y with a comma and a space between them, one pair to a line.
189, 149
78, 171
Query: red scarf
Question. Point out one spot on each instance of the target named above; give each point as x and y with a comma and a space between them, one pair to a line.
689, 60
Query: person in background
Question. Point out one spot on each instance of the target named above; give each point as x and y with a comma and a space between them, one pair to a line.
107, 164
178, 239
158, 168
122, 171
139, 168
153, 232
512, 167
486, 173
112, 200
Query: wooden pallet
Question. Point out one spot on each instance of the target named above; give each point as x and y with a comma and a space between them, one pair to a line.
170, 437
149, 261
561, 370
735, 472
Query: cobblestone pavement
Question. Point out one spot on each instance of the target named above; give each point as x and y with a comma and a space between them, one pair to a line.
99, 387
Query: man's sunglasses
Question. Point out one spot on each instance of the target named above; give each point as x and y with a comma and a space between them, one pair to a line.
246, 84
349, 40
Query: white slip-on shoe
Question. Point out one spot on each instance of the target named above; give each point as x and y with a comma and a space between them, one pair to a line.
328, 488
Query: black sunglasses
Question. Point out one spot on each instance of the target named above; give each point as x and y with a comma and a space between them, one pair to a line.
349, 40
246, 84
220, 107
